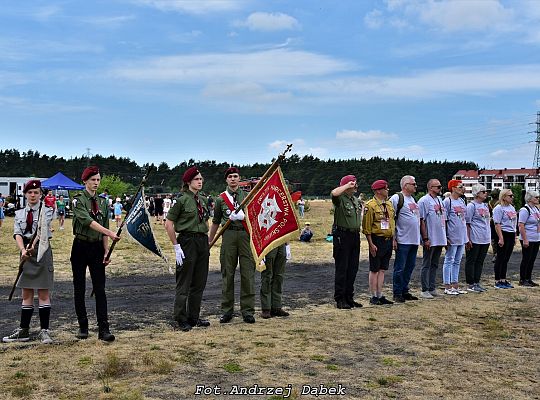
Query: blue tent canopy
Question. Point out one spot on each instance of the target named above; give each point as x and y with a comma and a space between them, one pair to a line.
60, 181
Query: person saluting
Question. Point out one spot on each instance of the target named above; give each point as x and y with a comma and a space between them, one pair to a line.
90, 246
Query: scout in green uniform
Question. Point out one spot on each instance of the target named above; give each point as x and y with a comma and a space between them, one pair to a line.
378, 226
272, 282
346, 241
36, 276
90, 246
234, 248
189, 218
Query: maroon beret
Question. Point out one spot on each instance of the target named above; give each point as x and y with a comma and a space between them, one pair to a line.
231, 170
346, 179
88, 172
379, 184
32, 184
190, 174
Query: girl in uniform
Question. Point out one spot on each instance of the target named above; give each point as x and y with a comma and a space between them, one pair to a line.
36, 275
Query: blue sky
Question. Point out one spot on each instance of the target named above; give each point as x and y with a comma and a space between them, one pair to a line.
233, 81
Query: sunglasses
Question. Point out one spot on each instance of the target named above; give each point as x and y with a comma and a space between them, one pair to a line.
460, 186
409, 183
437, 186
510, 195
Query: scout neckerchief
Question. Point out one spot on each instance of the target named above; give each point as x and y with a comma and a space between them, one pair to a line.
230, 201
200, 211
29, 221
385, 222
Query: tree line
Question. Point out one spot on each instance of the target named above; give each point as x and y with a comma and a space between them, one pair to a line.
313, 176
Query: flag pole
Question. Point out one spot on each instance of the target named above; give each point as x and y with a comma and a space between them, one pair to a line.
253, 191
119, 231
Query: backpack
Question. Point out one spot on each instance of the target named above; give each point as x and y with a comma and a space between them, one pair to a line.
517, 223
401, 201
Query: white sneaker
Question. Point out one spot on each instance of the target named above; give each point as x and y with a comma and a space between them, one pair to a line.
434, 293
451, 291
426, 295
459, 291
45, 337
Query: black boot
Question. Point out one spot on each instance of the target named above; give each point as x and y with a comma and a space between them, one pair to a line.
83, 329
105, 334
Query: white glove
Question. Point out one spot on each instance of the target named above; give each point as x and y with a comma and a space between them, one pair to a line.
288, 251
179, 255
239, 216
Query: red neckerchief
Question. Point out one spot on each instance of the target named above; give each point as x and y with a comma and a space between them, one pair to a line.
231, 207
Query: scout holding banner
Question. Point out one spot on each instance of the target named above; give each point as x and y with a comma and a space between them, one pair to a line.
268, 203
249, 239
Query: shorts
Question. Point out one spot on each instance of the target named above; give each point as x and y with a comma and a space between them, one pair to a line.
60, 212
381, 261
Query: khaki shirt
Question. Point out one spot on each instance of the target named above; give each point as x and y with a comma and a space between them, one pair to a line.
185, 214
374, 213
19, 223
222, 211
83, 217
347, 212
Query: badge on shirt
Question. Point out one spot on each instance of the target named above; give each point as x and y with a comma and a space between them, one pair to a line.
385, 224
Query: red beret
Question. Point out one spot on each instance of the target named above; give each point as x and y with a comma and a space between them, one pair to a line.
346, 179
32, 184
379, 184
88, 172
231, 170
190, 174
453, 183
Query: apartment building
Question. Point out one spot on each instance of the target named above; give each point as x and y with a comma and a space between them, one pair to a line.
527, 178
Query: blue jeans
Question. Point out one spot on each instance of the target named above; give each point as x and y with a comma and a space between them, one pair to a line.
452, 261
404, 264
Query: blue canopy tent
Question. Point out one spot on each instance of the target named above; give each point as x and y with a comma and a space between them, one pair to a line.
60, 182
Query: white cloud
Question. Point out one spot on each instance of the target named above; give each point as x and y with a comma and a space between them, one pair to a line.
262, 21
109, 22
463, 80
282, 144
447, 15
374, 19
194, 6
246, 92
278, 65
412, 151
472, 15
520, 156
299, 147
18, 103
44, 14
363, 136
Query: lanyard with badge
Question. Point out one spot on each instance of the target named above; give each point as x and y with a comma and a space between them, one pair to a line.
438, 208
385, 222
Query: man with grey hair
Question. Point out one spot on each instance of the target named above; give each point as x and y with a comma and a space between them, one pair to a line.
477, 218
406, 238
433, 230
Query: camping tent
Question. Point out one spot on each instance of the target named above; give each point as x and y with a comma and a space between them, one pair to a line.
60, 181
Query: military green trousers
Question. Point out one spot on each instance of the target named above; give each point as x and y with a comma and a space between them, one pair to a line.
191, 276
272, 279
235, 248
